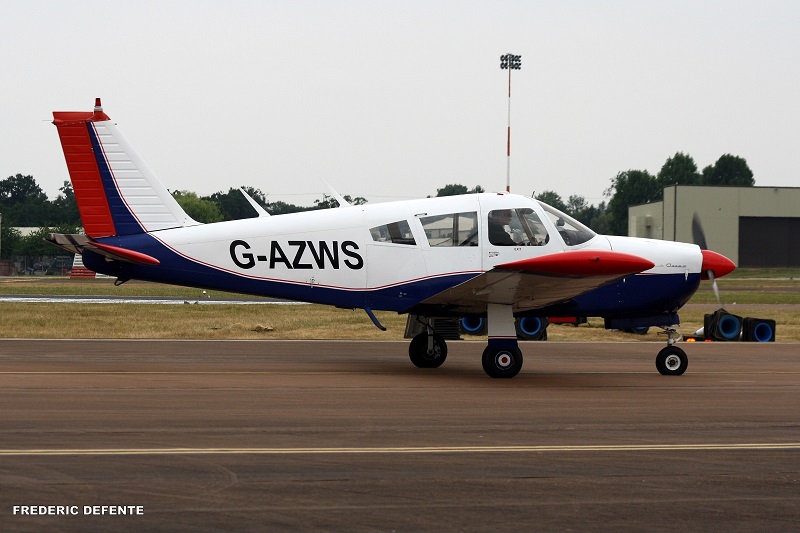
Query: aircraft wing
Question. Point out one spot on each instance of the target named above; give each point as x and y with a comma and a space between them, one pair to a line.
540, 281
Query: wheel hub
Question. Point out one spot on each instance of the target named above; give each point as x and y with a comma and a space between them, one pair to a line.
673, 362
504, 360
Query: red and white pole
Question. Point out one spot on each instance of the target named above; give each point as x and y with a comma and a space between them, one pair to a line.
510, 62
508, 141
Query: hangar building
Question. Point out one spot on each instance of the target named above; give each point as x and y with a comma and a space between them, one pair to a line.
753, 226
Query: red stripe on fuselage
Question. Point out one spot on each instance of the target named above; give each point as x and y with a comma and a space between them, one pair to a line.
83, 170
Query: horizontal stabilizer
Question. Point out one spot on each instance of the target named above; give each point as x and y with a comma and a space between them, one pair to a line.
73, 243
121, 254
78, 243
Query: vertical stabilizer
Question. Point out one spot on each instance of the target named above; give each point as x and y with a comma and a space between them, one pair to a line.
116, 192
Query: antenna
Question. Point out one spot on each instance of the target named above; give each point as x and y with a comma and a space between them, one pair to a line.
339, 198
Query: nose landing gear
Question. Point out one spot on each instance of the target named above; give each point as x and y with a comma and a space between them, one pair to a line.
672, 361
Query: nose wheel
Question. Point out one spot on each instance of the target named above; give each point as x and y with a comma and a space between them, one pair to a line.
672, 361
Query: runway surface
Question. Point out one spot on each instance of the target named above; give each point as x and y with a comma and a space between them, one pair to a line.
325, 435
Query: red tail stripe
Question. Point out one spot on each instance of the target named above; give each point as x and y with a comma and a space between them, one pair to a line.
83, 170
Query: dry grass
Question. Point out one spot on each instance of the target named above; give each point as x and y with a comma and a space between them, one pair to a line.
191, 321
203, 321
140, 321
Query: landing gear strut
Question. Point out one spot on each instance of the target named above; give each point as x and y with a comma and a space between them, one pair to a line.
672, 361
427, 349
502, 357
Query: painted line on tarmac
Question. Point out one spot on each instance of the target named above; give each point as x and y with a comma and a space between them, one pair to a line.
187, 373
421, 450
139, 300
352, 372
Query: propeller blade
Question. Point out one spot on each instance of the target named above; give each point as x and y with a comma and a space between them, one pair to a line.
698, 234
714, 286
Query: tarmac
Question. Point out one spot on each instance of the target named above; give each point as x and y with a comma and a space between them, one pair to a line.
350, 436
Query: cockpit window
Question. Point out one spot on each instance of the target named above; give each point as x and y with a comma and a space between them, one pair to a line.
572, 231
516, 227
396, 232
453, 229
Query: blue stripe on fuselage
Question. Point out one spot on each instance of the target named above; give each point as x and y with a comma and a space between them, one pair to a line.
178, 270
124, 221
635, 295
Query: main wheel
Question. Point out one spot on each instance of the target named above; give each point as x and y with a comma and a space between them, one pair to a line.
672, 361
421, 357
502, 362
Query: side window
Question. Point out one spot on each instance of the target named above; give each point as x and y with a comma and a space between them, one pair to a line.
454, 229
396, 233
516, 227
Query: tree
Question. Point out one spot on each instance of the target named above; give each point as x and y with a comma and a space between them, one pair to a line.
553, 199
282, 208
679, 169
632, 187
16, 189
23, 202
200, 209
600, 220
454, 189
34, 244
329, 202
234, 206
64, 207
580, 210
729, 170
10, 238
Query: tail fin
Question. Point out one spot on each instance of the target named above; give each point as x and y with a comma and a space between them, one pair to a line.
116, 192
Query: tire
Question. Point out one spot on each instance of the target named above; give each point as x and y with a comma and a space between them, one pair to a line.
502, 362
672, 361
418, 351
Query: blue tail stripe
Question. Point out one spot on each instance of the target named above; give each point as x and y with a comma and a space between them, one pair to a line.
124, 221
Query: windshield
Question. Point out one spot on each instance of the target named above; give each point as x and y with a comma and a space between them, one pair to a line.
572, 231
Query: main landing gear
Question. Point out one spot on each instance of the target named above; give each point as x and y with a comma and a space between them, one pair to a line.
672, 361
502, 358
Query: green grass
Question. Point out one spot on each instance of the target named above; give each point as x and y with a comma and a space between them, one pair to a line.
747, 273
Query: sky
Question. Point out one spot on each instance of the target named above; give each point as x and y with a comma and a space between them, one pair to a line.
393, 100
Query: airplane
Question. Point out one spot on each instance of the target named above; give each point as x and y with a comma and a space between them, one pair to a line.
498, 257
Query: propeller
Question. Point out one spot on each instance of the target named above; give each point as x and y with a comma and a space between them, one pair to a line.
712, 261
698, 234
